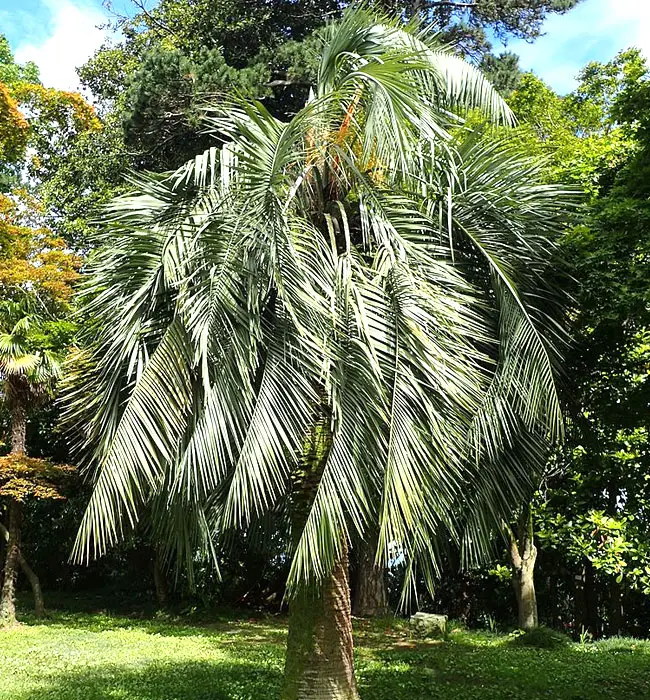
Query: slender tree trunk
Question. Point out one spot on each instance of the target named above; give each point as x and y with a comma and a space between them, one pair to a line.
591, 596
615, 622
580, 602
12, 558
465, 599
523, 555
616, 609
552, 597
370, 594
160, 582
319, 662
319, 658
18, 428
34, 582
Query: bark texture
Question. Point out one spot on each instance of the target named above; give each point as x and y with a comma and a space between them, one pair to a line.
371, 593
34, 581
319, 662
523, 555
18, 427
319, 658
12, 559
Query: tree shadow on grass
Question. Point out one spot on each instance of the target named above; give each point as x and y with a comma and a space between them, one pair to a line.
452, 672
270, 630
191, 680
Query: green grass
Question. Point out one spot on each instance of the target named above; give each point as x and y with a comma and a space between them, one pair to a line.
95, 656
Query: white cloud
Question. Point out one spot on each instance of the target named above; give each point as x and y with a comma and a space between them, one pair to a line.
595, 30
72, 38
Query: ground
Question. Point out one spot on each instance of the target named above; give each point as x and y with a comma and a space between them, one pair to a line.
96, 656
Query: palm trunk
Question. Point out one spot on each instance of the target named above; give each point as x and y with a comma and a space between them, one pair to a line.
34, 582
319, 662
371, 594
18, 428
523, 555
526, 596
12, 558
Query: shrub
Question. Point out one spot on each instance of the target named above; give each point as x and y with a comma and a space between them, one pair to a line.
540, 638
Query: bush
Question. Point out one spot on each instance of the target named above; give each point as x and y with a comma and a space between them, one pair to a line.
540, 638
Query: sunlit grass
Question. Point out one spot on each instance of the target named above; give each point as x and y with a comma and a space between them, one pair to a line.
98, 656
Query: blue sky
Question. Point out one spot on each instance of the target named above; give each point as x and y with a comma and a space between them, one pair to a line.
61, 34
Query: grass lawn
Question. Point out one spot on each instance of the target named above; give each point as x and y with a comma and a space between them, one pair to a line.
82, 656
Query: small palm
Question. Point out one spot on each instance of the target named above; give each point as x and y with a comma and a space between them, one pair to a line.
23, 365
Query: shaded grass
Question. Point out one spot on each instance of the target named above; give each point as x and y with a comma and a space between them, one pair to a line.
99, 656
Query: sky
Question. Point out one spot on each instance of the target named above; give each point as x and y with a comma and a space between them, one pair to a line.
59, 35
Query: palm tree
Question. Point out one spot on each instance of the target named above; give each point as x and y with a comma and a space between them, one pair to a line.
28, 375
298, 322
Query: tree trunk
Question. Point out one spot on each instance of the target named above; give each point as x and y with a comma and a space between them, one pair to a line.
159, 580
371, 594
616, 609
12, 558
18, 427
34, 582
591, 596
580, 602
526, 597
523, 555
319, 663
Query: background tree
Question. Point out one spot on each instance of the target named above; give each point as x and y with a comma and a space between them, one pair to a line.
24, 478
468, 24
36, 275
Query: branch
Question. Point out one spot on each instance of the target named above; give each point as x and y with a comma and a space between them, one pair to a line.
154, 20
451, 3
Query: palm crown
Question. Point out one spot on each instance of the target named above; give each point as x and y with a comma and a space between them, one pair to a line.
25, 368
352, 304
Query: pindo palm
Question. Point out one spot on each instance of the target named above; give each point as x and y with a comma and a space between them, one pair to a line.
343, 316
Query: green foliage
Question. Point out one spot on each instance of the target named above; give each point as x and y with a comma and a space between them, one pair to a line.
90, 175
469, 24
95, 656
580, 141
165, 101
12, 72
596, 511
540, 638
503, 72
